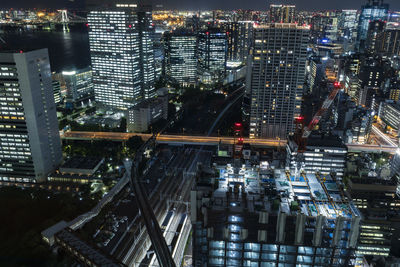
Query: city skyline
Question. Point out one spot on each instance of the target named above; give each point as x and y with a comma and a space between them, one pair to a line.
312, 5
149, 135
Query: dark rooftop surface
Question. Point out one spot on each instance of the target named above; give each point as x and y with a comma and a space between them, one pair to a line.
81, 163
325, 141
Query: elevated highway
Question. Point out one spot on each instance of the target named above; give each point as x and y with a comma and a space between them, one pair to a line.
207, 140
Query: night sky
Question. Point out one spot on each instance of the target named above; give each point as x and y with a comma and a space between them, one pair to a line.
210, 4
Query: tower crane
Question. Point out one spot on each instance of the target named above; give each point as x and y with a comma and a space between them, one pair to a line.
303, 132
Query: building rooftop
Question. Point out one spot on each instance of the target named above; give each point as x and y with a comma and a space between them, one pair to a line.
90, 254
148, 103
78, 162
323, 141
282, 26
264, 189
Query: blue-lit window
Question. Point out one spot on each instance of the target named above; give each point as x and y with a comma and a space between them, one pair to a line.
217, 244
268, 256
234, 218
267, 264
234, 228
216, 261
269, 247
304, 259
217, 253
288, 249
251, 255
252, 246
248, 263
306, 250
233, 262
233, 254
234, 237
234, 246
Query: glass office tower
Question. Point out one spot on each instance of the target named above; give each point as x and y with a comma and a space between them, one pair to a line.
30, 146
181, 57
373, 10
122, 54
212, 55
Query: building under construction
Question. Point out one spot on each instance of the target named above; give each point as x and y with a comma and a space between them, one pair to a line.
258, 216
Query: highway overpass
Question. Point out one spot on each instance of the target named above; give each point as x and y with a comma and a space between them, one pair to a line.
207, 140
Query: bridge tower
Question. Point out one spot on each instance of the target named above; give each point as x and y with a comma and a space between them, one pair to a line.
64, 16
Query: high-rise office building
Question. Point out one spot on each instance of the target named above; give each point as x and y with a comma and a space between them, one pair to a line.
277, 78
30, 142
348, 24
239, 36
79, 83
262, 217
378, 201
324, 153
282, 13
122, 54
373, 10
56, 91
147, 63
389, 42
181, 57
212, 55
375, 30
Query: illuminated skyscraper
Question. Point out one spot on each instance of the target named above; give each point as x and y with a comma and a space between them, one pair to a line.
277, 78
122, 54
79, 83
282, 13
373, 10
30, 142
375, 31
212, 56
239, 36
348, 24
181, 57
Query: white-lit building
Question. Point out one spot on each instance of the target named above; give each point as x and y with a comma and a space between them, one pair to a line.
122, 55
348, 24
212, 56
324, 154
142, 115
181, 57
373, 10
79, 83
352, 84
389, 114
56, 91
282, 13
277, 78
30, 141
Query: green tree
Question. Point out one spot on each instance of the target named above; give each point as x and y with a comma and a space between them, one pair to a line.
122, 126
134, 143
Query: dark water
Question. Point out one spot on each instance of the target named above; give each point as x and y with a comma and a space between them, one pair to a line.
67, 50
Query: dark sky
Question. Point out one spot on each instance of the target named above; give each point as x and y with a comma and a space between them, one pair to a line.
211, 4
